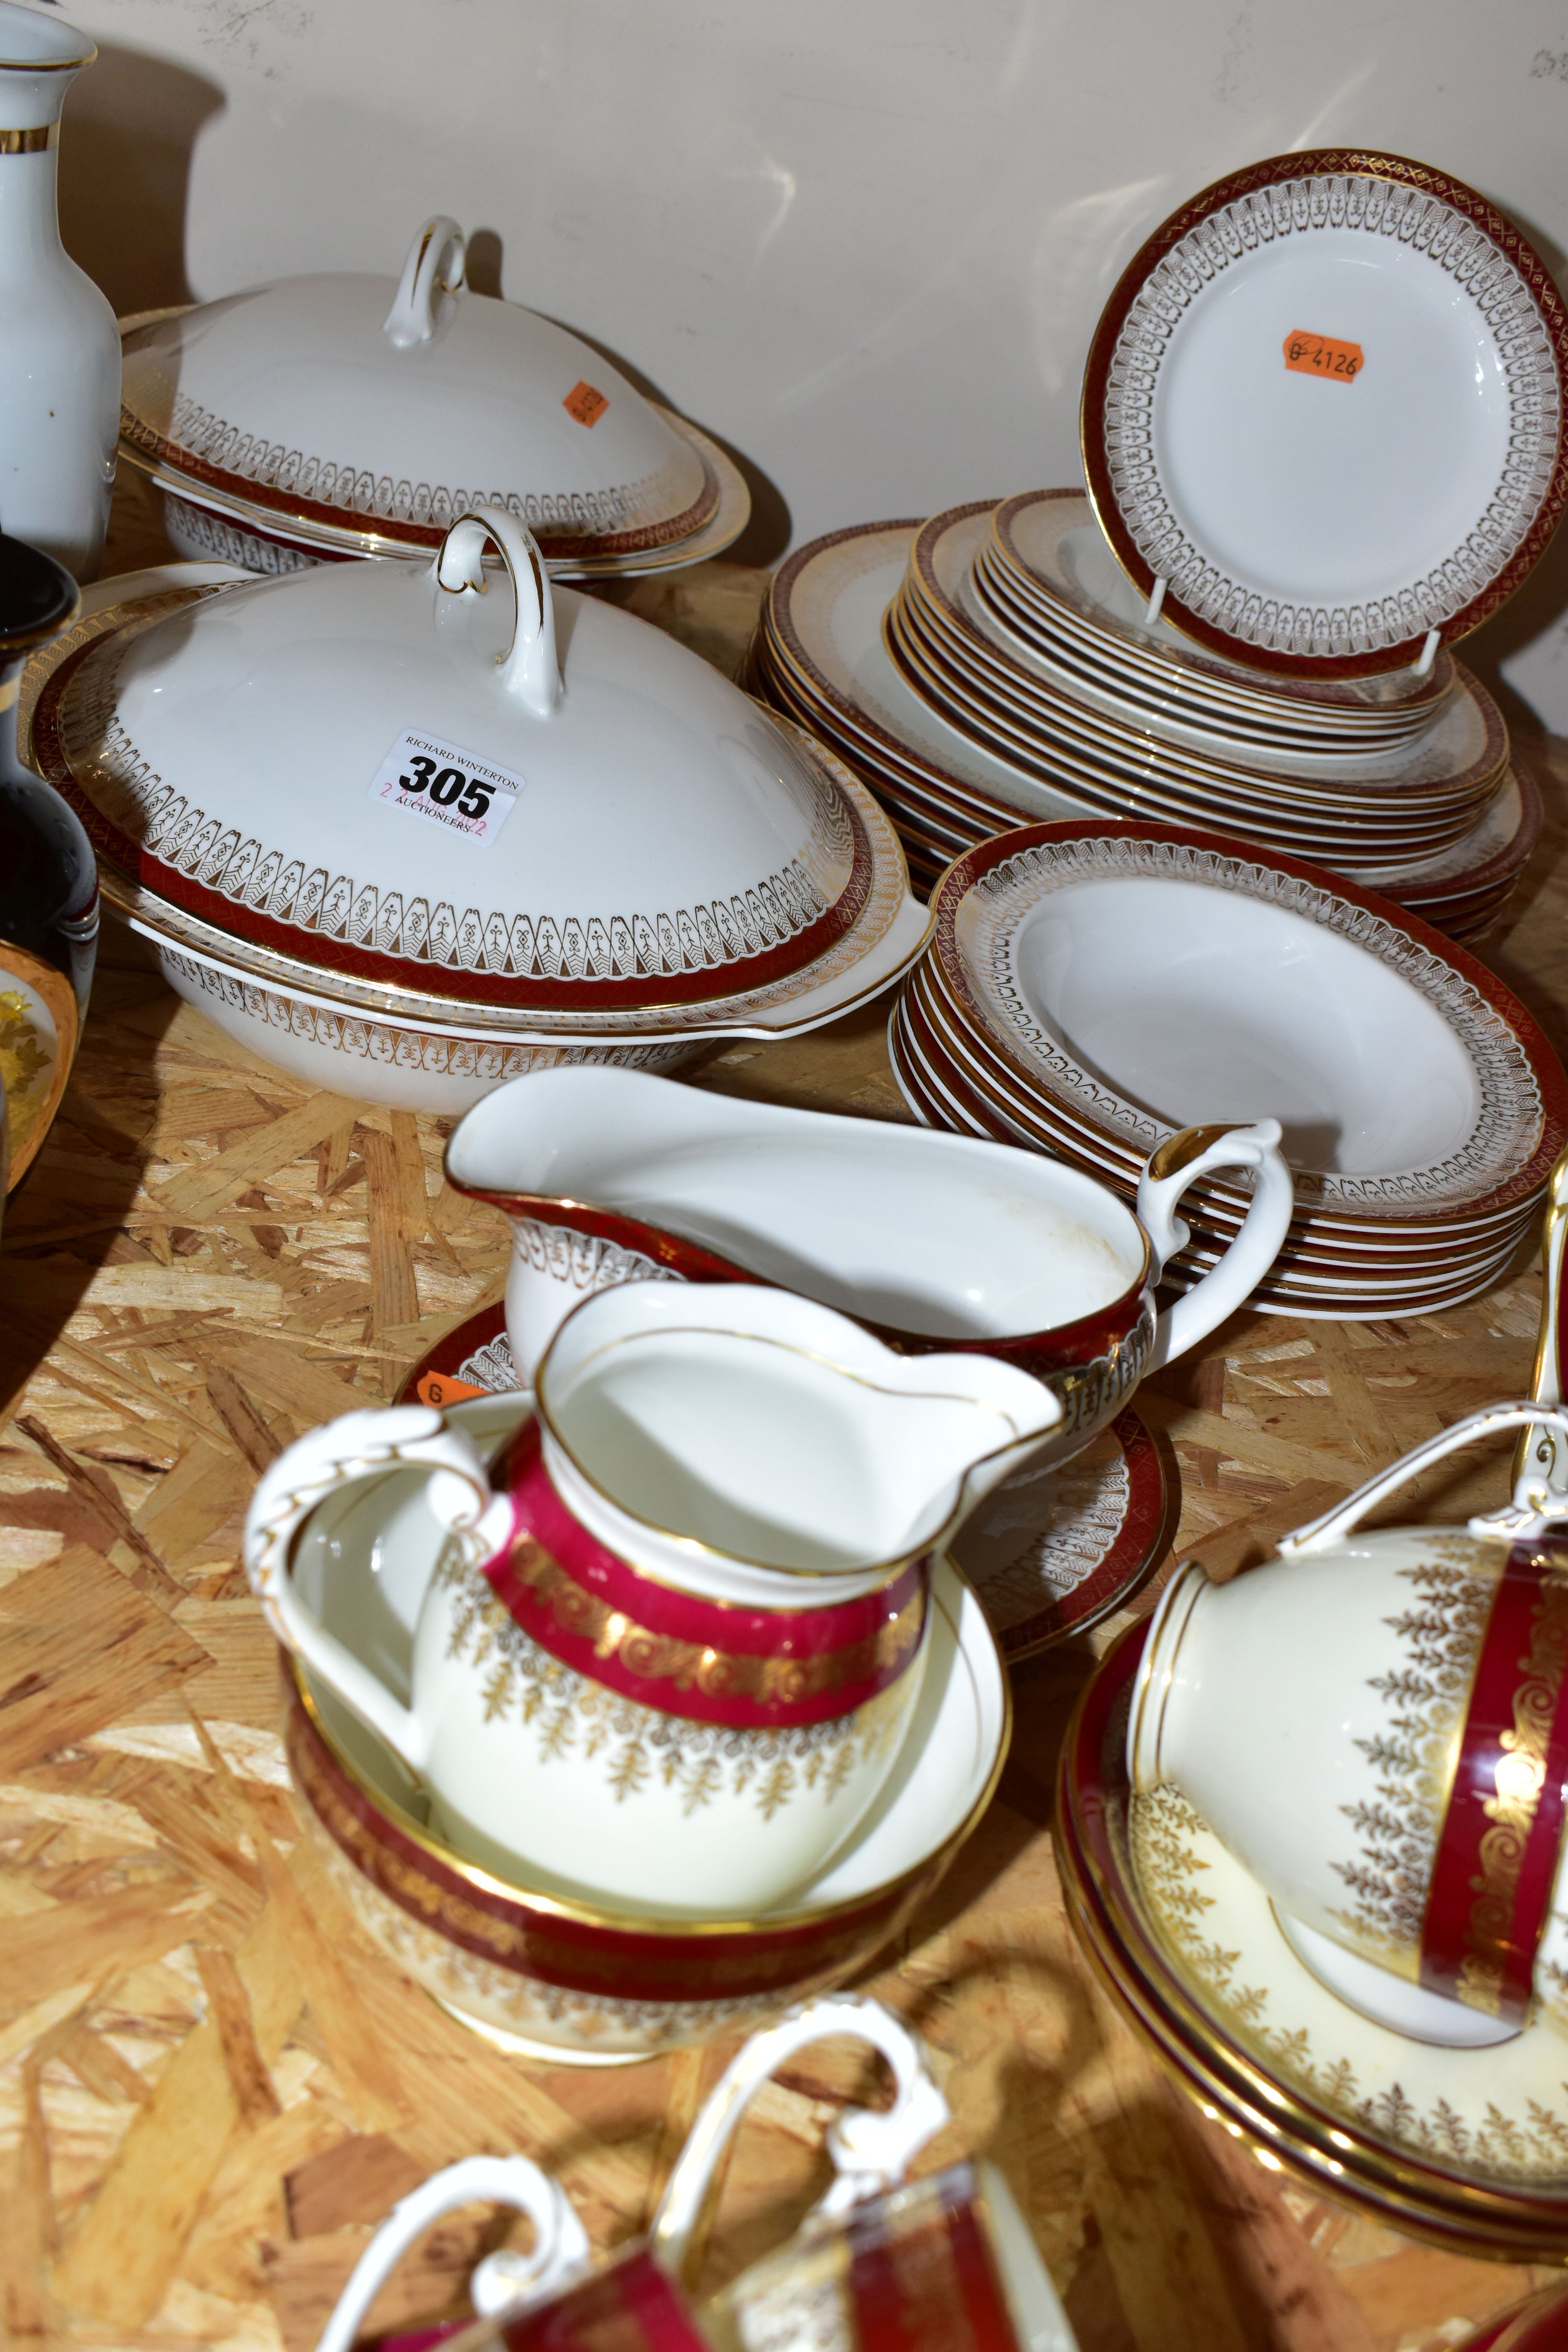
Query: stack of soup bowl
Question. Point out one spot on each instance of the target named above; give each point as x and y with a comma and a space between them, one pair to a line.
1092, 988
1244, 625
317, 419
1333, 1897
298, 787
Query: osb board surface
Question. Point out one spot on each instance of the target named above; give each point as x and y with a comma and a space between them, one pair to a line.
209, 2088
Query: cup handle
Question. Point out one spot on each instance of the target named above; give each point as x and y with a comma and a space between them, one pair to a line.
1514, 1523
1177, 1163
530, 669
560, 2247
362, 1445
434, 267
1541, 1457
871, 2150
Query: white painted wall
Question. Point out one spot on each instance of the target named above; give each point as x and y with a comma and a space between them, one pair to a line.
865, 241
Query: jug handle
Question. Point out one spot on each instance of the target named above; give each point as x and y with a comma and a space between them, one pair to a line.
356, 1446
871, 2150
529, 665
427, 276
560, 2246
1514, 1522
1540, 1458
1177, 1163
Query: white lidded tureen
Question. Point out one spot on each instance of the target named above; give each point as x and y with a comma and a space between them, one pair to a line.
345, 414
477, 816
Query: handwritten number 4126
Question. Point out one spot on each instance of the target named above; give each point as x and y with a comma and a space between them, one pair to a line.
1321, 355
447, 785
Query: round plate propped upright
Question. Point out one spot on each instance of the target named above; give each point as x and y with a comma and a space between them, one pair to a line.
1323, 413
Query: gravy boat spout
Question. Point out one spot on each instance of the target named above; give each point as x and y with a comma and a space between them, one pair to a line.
765, 1436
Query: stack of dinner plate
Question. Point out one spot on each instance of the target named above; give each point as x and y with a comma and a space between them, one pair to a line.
1246, 622
1092, 987
910, 649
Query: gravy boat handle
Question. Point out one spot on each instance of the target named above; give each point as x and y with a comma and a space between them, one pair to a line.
1167, 1174
357, 1446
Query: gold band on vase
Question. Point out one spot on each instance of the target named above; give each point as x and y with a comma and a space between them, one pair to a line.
31, 143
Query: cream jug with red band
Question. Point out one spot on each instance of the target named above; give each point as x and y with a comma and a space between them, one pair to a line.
670, 1654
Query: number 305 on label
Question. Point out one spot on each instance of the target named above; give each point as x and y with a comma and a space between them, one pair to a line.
440, 783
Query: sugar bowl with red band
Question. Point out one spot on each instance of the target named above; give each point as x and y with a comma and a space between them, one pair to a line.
1376, 1724
671, 1654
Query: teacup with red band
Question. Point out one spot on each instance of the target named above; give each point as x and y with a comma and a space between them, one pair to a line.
1376, 1724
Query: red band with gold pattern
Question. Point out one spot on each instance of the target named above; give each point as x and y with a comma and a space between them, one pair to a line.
1501, 1838
928, 2284
748, 1669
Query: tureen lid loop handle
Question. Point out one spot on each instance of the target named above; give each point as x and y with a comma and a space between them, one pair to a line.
529, 667
434, 267
1516, 1522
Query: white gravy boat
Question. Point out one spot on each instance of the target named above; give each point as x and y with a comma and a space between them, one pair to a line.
933, 1241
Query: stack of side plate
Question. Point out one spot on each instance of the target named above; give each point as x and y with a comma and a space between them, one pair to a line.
1092, 987
1046, 572
1468, 2149
832, 650
1366, 813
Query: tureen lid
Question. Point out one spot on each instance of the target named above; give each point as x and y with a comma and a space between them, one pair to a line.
347, 399
407, 773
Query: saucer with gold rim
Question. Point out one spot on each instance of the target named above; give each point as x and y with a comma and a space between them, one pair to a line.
1452, 2143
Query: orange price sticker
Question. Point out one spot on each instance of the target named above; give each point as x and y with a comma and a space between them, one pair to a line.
1321, 355
441, 1388
585, 404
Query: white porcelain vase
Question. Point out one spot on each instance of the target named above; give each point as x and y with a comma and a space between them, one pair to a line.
60, 355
